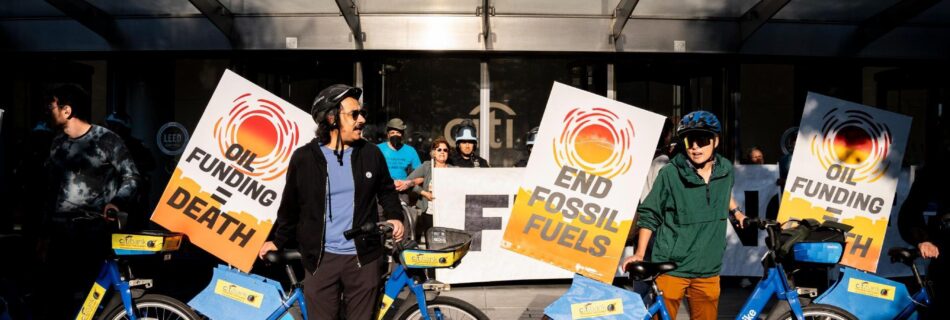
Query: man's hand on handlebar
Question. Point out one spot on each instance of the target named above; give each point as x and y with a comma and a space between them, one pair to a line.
268, 247
928, 250
398, 229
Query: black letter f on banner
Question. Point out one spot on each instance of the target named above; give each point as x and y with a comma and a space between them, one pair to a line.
476, 222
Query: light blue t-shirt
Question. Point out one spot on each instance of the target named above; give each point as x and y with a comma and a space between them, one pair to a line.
339, 204
400, 162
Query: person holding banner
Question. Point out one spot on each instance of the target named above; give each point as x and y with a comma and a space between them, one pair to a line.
687, 209
333, 184
422, 179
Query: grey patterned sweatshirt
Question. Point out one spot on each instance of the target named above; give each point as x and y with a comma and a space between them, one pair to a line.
90, 171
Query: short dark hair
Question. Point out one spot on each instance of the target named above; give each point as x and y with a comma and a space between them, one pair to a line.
75, 97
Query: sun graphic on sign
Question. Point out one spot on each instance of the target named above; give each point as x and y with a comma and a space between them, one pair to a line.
260, 126
596, 141
852, 138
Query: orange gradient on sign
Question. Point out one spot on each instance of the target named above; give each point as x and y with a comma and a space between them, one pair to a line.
208, 238
521, 238
258, 135
594, 144
868, 234
853, 145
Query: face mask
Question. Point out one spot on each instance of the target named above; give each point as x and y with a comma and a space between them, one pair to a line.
396, 142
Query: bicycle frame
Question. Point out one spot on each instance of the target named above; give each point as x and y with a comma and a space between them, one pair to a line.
920, 297
296, 295
775, 284
109, 276
400, 279
658, 306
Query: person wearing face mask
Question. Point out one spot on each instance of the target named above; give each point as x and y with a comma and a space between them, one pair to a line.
422, 178
466, 142
687, 210
400, 158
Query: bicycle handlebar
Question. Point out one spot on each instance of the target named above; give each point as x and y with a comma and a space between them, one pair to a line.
121, 218
369, 228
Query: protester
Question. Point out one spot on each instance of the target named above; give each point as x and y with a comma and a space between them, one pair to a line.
333, 184
422, 177
689, 205
90, 172
529, 144
466, 142
755, 156
924, 222
400, 158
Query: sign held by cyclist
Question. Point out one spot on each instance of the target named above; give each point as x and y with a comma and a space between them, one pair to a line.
225, 191
845, 169
574, 208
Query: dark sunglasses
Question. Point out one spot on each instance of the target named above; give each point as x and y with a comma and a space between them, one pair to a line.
355, 114
441, 150
701, 139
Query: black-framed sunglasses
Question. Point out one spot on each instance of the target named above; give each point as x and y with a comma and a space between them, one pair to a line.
356, 113
441, 150
701, 139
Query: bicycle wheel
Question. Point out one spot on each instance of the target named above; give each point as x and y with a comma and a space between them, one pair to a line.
451, 308
155, 307
820, 312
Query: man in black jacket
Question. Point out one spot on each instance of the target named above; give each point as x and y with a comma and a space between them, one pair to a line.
332, 186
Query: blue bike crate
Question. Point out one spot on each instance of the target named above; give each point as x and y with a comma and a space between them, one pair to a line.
233, 294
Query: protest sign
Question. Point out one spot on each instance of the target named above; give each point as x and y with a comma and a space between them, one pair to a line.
845, 168
226, 189
578, 197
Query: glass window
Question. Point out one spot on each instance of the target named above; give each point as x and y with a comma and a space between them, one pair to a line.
431, 95
767, 108
519, 93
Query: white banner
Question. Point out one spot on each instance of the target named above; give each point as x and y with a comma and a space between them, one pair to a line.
479, 200
754, 188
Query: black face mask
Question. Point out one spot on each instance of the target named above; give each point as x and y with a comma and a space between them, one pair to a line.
396, 142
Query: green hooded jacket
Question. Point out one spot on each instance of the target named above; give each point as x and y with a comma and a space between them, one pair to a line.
688, 216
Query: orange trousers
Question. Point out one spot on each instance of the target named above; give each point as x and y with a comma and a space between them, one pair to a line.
702, 294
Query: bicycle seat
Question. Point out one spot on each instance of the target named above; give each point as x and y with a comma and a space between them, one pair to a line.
645, 271
282, 257
145, 242
904, 255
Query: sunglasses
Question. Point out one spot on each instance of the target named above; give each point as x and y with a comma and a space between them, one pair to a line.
355, 114
701, 139
441, 150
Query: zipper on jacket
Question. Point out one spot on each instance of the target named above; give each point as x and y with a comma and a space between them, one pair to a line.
323, 236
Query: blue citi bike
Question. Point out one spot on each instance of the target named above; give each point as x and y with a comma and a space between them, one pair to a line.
775, 285
234, 294
133, 303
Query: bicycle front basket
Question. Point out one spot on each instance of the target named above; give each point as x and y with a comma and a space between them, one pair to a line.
446, 247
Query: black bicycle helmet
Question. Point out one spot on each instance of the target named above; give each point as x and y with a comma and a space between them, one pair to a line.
330, 98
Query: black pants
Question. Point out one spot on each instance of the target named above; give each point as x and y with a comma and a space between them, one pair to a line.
75, 253
341, 275
937, 275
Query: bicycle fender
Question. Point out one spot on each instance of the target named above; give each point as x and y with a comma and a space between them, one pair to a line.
590, 299
867, 296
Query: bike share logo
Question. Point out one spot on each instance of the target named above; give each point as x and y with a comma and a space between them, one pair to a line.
596, 141
596, 309
134, 242
238, 293
871, 289
852, 139
92, 302
426, 259
257, 135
